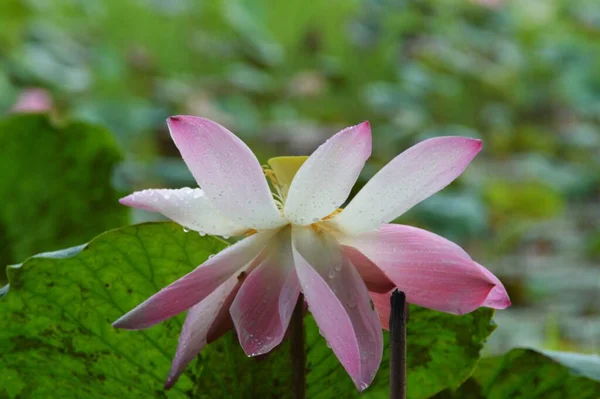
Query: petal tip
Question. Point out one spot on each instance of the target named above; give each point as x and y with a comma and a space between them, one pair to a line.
474, 144
175, 121
364, 136
178, 120
134, 201
364, 128
498, 300
477, 144
124, 323
169, 383
127, 200
117, 323
361, 386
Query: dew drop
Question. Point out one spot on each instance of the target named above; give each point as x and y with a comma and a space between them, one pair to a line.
331, 273
338, 267
352, 301
185, 230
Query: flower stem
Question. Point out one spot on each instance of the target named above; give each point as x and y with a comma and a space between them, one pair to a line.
296, 331
398, 320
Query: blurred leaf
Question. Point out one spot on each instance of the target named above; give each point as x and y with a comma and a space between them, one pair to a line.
456, 216
13, 14
579, 363
529, 200
56, 185
534, 139
59, 309
528, 374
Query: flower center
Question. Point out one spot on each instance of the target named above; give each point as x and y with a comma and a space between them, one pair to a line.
280, 172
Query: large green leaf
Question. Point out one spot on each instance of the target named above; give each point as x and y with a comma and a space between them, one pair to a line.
56, 186
442, 351
529, 374
60, 305
57, 339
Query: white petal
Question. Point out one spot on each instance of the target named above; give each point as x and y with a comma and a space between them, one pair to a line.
339, 300
200, 320
227, 171
324, 181
188, 207
408, 179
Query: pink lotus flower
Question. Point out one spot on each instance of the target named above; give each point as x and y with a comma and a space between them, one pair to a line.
32, 100
298, 240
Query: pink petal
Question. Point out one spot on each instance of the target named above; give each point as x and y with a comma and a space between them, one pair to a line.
498, 297
374, 278
382, 304
194, 286
339, 301
202, 319
188, 207
263, 307
432, 271
408, 179
323, 182
226, 170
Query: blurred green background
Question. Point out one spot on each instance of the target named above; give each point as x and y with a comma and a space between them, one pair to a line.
522, 75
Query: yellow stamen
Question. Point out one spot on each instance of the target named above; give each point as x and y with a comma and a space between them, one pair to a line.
332, 214
271, 176
250, 232
283, 170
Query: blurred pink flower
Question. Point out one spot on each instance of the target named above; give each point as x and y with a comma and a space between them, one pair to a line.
298, 240
33, 100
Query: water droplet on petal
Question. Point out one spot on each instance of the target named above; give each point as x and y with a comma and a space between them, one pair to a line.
185, 230
352, 301
331, 273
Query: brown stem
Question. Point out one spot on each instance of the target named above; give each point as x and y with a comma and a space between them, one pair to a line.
398, 320
296, 330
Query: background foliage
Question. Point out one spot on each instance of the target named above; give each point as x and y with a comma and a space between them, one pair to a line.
56, 186
521, 75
